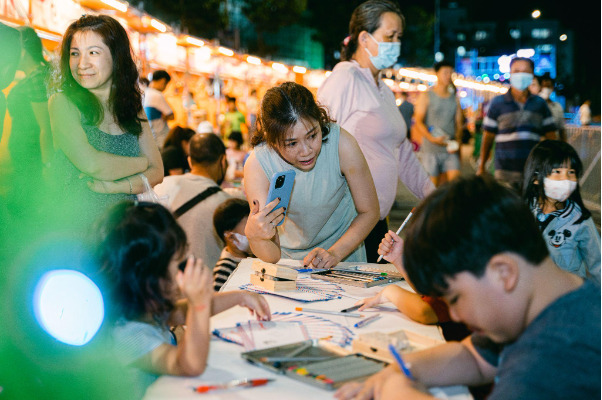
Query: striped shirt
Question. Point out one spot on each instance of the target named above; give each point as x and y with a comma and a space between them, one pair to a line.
517, 128
224, 268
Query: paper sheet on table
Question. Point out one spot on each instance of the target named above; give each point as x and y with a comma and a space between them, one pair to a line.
258, 335
285, 262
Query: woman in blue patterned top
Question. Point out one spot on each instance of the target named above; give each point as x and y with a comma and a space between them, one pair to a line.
98, 123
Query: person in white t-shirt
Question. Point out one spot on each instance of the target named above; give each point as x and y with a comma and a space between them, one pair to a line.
156, 108
546, 83
208, 166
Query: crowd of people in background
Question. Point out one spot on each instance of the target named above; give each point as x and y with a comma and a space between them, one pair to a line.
174, 209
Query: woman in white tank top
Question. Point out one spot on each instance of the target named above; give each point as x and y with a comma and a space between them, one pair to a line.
333, 204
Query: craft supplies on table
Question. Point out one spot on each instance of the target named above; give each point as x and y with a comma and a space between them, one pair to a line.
285, 328
257, 335
316, 364
273, 277
225, 363
376, 344
356, 277
307, 290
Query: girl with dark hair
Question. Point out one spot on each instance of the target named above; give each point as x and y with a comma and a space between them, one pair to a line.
333, 204
175, 151
551, 188
364, 106
98, 121
141, 250
30, 141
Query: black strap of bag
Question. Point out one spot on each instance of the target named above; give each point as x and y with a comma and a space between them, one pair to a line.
196, 200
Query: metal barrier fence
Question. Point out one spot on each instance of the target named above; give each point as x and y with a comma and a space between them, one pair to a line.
586, 140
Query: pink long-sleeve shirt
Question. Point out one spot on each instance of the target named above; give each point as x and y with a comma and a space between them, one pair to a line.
368, 111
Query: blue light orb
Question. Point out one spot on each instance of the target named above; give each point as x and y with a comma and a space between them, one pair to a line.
68, 306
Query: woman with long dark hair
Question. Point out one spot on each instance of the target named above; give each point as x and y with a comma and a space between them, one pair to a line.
333, 204
364, 106
105, 147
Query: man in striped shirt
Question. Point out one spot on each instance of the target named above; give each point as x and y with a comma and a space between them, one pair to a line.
229, 220
517, 121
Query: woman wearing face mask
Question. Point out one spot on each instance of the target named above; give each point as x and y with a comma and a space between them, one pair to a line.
363, 105
333, 205
552, 190
104, 143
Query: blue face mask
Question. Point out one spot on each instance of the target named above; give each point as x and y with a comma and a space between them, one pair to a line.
521, 80
388, 52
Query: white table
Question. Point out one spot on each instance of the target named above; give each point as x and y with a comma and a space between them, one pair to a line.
226, 364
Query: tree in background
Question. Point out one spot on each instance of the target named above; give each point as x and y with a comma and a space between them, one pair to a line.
268, 16
200, 18
417, 40
331, 19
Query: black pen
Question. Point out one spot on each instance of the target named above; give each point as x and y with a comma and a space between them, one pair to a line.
350, 309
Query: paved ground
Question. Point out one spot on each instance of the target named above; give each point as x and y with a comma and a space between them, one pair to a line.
405, 200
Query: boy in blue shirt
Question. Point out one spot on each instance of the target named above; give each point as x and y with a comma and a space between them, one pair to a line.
536, 327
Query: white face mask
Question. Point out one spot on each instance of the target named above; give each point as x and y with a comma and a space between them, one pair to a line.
241, 242
558, 190
545, 93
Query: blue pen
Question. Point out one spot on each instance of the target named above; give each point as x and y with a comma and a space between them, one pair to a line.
399, 360
366, 321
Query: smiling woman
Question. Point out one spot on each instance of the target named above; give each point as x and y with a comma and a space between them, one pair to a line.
103, 140
333, 204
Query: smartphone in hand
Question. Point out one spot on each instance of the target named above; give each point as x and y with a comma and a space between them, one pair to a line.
281, 186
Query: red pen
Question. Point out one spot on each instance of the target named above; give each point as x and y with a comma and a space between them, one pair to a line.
235, 383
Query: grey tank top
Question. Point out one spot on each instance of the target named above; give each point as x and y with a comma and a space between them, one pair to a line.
321, 208
440, 119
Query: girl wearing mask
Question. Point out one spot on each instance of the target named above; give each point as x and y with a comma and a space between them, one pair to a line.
364, 106
551, 188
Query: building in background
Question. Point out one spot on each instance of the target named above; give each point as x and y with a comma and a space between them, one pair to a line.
482, 50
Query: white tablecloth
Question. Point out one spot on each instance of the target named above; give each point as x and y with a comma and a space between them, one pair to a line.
226, 364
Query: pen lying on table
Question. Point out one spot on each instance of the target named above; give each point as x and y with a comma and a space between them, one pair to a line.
235, 383
311, 310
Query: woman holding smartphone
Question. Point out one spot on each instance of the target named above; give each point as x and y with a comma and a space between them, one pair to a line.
333, 205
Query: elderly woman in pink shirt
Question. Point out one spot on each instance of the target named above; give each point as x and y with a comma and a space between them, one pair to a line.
363, 105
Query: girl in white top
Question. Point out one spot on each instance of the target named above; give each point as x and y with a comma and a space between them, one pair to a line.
333, 204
